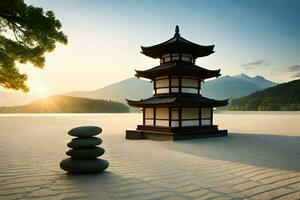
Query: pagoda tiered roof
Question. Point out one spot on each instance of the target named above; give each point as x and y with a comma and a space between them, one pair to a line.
179, 44
178, 68
177, 100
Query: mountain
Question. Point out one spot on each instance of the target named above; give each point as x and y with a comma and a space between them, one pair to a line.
64, 104
259, 81
283, 97
227, 87
133, 88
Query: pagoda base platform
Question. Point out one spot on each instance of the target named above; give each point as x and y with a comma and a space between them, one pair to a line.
174, 134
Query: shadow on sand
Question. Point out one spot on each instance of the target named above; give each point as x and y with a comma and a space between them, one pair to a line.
91, 185
275, 151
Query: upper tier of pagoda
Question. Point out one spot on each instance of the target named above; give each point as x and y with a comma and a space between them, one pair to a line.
181, 45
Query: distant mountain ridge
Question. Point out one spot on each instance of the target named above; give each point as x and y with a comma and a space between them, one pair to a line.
129, 88
282, 97
259, 81
132, 88
220, 88
228, 87
65, 104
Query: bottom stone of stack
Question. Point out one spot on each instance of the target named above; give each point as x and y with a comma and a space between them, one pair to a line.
72, 165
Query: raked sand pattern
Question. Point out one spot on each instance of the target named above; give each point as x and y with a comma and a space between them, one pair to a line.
241, 166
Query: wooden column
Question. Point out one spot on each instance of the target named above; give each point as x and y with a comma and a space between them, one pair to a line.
199, 85
200, 118
170, 116
154, 116
170, 84
180, 83
180, 117
211, 116
144, 115
154, 86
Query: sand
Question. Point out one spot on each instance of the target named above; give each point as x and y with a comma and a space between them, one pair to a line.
259, 160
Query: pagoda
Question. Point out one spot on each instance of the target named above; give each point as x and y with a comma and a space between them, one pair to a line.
177, 110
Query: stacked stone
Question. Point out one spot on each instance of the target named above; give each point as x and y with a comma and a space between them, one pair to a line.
84, 151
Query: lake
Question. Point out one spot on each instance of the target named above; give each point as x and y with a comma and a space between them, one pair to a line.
259, 159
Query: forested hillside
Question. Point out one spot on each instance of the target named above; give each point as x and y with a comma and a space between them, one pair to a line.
64, 104
283, 97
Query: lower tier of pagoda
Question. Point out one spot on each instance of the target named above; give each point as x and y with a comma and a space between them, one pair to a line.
167, 117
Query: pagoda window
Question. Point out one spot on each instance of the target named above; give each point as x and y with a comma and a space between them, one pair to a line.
174, 117
189, 90
175, 81
190, 85
187, 57
190, 82
206, 114
166, 58
162, 90
175, 90
149, 116
175, 56
174, 84
190, 117
162, 85
162, 116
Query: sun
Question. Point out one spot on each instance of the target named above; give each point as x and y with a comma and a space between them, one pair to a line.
40, 90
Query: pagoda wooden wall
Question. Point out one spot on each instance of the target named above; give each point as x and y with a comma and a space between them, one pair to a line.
177, 84
177, 117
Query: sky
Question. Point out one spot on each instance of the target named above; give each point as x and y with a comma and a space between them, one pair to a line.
257, 37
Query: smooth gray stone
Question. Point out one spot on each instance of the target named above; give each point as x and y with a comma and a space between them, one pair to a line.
84, 142
85, 131
91, 152
95, 165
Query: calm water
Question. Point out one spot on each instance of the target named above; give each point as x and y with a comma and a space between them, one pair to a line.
279, 123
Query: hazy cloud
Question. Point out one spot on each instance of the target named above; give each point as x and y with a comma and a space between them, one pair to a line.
296, 75
294, 68
254, 64
248, 67
296, 71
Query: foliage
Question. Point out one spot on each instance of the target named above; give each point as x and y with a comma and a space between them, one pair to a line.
26, 34
65, 104
283, 97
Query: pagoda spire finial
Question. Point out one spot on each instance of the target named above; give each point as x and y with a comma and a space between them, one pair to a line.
177, 31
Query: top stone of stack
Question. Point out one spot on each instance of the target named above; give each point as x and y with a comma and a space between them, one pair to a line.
85, 131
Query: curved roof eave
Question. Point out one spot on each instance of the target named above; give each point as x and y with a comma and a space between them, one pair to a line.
179, 100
